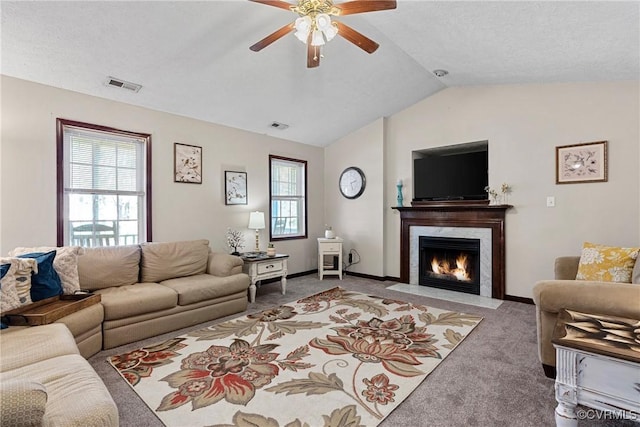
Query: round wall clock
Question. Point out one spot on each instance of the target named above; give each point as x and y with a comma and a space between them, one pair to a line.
352, 182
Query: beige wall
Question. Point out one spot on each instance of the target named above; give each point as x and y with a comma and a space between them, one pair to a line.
524, 124
359, 221
180, 211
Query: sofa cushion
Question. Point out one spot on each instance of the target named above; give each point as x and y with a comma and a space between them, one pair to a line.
132, 300
23, 403
104, 267
202, 287
167, 260
24, 268
76, 396
65, 263
635, 275
21, 346
606, 263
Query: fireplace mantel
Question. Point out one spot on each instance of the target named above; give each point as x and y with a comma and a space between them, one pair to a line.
457, 214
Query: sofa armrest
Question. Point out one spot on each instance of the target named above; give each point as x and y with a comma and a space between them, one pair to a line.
566, 267
551, 296
614, 299
222, 265
22, 403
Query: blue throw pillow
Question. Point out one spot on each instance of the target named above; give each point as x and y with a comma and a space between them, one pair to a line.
4, 268
46, 283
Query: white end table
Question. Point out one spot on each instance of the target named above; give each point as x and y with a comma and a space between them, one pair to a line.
265, 267
331, 248
597, 365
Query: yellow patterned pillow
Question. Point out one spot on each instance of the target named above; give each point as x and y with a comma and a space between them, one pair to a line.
606, 263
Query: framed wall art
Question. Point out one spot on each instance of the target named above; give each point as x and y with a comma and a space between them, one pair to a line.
581, 163
235, 188
187, 165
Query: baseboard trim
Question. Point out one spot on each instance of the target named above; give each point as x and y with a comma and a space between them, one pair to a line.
364, 276
519, 299
392, 278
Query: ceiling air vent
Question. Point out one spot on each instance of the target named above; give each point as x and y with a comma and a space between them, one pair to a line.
279, 126
112, 81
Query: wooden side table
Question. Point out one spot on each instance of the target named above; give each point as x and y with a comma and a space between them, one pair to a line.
598, 366
262, 267
330, 248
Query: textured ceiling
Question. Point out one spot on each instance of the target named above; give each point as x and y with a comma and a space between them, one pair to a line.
193, 58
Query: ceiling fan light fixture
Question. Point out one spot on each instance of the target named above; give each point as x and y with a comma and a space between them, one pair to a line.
303, 24
330, 32
323, 21
317, 39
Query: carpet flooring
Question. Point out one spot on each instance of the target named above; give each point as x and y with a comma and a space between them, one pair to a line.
493, 378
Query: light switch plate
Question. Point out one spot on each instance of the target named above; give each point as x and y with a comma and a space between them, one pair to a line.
551, 202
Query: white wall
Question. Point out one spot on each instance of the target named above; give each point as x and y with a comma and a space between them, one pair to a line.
180, 211
359, 221
524, 124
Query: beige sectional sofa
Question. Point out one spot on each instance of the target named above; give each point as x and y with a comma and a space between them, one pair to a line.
146, 290
45, 381
565, 292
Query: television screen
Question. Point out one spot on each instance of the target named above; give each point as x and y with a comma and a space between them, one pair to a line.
451, 177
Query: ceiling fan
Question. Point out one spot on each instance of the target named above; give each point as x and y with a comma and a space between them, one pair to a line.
315, 27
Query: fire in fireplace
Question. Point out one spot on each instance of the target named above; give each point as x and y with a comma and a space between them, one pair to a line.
450, 263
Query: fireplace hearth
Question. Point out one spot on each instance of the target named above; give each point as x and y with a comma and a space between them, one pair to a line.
450, 263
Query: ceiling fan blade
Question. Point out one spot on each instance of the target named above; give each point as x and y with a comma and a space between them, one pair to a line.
276, 3
361, 6
272, 37
313, 54
359, 39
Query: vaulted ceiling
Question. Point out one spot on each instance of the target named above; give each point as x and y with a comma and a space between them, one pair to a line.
193, 58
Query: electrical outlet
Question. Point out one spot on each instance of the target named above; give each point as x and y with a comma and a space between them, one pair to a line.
350, 257
551, 202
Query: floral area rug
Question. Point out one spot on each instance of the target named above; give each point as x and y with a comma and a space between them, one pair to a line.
337, 358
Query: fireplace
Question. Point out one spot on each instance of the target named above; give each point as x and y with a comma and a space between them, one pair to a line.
464, 219
450, 263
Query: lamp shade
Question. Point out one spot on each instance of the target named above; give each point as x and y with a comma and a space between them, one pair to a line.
256, 220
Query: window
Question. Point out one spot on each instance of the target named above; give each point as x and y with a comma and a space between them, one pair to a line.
104, 186
288, 196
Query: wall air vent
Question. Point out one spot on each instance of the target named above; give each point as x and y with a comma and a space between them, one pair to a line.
112, 81
279, 126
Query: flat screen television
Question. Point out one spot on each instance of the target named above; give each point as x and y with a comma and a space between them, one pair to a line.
451, 176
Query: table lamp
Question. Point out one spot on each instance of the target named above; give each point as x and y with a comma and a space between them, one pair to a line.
256, 222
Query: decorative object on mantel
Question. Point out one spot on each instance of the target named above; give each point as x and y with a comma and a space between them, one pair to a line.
399, 186
235, 241
329, 233
256, 222
498, 198
314, 27
581, 163
187, 165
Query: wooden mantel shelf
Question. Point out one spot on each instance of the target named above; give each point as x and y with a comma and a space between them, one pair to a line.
475, 214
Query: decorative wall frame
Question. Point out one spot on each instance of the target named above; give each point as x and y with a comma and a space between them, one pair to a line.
581, 163
235, 188
187, 163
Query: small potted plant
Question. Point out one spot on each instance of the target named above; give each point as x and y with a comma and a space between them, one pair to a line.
271, 251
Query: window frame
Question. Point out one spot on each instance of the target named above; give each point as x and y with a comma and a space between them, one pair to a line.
60, 167
305, 197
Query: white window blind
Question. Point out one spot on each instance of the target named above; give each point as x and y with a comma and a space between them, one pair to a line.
288, 198
105, 185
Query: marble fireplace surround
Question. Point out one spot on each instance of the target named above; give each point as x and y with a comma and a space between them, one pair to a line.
468, 219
